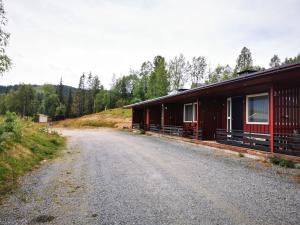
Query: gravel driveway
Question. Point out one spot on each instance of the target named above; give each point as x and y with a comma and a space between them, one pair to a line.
115, 177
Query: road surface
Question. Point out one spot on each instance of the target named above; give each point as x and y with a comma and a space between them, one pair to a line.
114, 177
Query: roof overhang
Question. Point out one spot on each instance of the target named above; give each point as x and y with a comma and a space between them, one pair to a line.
254, 79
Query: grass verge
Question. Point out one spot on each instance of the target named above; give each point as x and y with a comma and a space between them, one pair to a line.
119, 118
282, 162
37, 143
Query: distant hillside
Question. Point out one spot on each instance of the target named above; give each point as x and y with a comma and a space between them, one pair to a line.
6, 89
117, 118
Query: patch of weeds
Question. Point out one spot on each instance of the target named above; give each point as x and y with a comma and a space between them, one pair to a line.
43, 219
282, 162
241, 155
142, 131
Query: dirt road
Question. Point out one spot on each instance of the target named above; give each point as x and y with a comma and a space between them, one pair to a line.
114, 177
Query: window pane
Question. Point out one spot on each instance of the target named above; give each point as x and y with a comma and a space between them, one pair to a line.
195, 112
188, 113
258, 109
228, 108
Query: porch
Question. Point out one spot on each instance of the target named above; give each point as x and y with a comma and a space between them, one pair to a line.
261, 114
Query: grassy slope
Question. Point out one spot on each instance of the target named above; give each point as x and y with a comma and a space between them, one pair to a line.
37, 144
118, 118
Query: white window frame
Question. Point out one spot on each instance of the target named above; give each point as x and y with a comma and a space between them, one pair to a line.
194, 117
194, 112
247, 106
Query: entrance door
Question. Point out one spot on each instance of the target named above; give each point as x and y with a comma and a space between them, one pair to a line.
237, 112
212, 108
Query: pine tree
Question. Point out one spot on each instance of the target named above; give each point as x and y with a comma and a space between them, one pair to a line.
60, 91
69, 104
89, 95
79, 101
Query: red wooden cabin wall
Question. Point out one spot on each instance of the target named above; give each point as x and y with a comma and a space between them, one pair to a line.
155, 115
287, 109
173, 114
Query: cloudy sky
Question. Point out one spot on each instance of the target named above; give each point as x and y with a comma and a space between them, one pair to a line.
54, 38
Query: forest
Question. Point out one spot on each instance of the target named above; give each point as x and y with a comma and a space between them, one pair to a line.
153, 79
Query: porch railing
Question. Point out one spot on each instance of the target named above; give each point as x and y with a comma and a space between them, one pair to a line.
259, 141
287, 144
176, 131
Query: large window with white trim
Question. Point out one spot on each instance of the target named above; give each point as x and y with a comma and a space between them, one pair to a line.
190, 112
257, 109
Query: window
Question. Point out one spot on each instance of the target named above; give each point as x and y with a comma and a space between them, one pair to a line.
257, 109
190, 112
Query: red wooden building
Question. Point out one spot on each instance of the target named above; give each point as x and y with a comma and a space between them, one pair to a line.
259, 110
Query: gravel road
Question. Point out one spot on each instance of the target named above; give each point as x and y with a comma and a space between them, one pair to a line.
114, 177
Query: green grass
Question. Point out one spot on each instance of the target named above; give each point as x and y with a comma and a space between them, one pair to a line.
37, 144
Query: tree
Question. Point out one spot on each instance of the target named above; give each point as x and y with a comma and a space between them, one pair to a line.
197, 70
275, 61
69, 104
79, 101
89, 95
50, 101
216, 75
140, 88
25, 100
178, 72
292, 60
244, 61
60, 91
5, 61
96, 86
227, 73
159, 84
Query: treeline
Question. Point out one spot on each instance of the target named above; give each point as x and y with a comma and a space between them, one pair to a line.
153, 79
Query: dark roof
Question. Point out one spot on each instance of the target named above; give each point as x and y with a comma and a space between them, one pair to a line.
208, 86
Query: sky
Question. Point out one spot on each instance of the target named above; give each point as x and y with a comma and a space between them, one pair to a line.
64, 38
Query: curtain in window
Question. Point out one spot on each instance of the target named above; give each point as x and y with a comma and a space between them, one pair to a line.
258, 109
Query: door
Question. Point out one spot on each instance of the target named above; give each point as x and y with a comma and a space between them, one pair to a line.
237, 112
211, 110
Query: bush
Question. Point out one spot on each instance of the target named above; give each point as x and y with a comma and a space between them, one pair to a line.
10, 130
282, 162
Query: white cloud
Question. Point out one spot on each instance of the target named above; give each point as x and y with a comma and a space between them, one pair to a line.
53, 38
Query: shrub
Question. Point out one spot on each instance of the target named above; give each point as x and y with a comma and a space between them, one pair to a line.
282, 162
10, 130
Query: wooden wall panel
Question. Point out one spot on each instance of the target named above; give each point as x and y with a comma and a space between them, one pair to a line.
287, 109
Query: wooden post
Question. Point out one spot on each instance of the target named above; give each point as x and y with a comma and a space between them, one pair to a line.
162, 117
271, 118
147, 119
132, 118
197, 123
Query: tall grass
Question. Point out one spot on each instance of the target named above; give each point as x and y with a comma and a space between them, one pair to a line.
35, 143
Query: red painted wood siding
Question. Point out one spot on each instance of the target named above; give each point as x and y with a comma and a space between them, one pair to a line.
155, 115
287, 109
